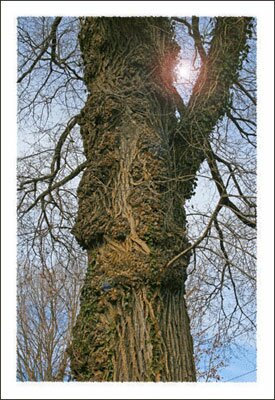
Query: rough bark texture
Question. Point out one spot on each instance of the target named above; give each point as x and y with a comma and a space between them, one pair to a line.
210, 97
133, 324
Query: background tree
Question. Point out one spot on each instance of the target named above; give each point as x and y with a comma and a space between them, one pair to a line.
144, 147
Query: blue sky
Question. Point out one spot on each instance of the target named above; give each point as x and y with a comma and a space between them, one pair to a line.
240, 364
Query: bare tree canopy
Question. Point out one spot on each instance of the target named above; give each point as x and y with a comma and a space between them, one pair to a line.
136, 196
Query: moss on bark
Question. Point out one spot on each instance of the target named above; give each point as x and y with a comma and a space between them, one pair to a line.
141, 167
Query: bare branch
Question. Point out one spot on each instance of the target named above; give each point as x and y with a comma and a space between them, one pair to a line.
43, 49
222, 189
56, 185
245, 91
197, 38
203, 236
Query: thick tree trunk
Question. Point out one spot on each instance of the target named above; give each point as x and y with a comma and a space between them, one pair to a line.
133, 323
137, 333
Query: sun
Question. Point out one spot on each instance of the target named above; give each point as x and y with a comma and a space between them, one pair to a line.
183, 71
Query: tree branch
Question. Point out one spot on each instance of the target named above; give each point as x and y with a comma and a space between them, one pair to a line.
56, 185
44, 48
229, 166
241, 130
55, 164
222, 189
200, 239
245, 91
184, 22
209, 100
197, 38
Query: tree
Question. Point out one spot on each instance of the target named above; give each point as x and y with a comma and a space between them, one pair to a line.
47, 304
143, 148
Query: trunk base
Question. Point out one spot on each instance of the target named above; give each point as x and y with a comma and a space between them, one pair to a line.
134, 335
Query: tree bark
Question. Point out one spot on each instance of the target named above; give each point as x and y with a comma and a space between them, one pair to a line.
133, 323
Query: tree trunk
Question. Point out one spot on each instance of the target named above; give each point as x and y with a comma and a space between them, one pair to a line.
133, 323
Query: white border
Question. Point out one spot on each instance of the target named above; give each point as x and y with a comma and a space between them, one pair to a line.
264, 11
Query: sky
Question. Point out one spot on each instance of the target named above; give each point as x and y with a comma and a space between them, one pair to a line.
242, 367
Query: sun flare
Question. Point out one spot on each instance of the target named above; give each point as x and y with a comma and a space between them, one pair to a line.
183, 71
